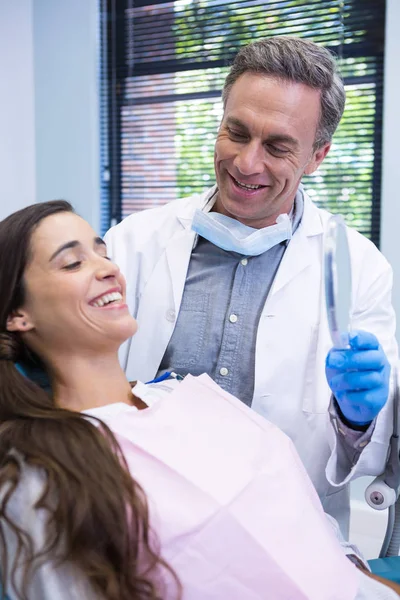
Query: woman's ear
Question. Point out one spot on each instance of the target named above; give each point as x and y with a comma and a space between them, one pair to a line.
19, 321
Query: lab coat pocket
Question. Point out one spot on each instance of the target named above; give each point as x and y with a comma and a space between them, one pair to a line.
316, 393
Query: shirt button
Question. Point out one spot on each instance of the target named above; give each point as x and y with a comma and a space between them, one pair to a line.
233, 318
244, 261
170, 315
224, 371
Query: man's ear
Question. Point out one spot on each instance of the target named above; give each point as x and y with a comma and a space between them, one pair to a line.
19, 321
316, 159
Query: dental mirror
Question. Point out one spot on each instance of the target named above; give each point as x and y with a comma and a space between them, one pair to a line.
337, 281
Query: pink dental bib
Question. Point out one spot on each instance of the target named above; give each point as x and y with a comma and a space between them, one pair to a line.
234, 510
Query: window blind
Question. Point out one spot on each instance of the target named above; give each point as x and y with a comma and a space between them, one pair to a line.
163, 67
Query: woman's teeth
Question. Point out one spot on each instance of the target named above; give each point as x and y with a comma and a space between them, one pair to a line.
106, 299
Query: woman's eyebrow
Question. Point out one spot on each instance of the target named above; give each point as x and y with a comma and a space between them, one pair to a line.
98, 241
71, 244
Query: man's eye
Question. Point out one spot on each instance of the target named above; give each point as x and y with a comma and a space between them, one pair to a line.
236, 135
72, 266
276, 150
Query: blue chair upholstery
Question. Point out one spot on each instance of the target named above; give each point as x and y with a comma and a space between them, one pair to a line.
2, 596
389, 567
36, 373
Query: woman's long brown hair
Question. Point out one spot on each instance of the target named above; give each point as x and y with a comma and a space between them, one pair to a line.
98, 516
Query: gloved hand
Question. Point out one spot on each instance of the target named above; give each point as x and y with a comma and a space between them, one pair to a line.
359, 377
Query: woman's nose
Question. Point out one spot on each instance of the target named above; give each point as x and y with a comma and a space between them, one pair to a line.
106, 268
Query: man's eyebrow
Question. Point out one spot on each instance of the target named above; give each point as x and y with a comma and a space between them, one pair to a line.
285, 139
271, 139
235, 121
98, 241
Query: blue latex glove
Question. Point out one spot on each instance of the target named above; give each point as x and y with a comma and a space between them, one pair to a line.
359, 378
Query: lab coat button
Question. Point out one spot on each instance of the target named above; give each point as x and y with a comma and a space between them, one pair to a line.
224, 371
233, 318
170, 315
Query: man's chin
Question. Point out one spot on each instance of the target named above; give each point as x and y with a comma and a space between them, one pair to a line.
240, 209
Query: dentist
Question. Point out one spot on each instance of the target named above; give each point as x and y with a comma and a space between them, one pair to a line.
230, 282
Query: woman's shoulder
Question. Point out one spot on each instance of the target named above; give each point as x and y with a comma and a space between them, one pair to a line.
30, 481
21, 496
25, 512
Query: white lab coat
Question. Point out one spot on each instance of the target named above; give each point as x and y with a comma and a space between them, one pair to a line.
153, 250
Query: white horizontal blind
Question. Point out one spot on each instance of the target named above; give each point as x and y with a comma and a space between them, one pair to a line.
166, 63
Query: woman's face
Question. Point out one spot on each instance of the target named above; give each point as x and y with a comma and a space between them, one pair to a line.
74, 295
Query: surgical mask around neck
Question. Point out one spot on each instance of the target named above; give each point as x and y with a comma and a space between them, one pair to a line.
231, 235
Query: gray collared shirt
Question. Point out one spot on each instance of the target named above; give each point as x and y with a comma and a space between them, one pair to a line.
223, 298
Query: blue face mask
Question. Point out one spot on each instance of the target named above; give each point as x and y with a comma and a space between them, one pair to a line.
231, 235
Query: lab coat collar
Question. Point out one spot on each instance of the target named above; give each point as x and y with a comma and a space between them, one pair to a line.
312, 222
299, 254
204, 201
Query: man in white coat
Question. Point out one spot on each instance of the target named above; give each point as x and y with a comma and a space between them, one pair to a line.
230, 282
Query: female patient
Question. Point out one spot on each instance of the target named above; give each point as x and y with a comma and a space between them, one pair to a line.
109, 495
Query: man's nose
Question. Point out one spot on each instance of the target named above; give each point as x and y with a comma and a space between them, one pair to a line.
250, 159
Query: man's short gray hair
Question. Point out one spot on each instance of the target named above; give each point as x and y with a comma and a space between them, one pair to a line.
301, 61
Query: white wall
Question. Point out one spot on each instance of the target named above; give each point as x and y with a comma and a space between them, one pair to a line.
49, 142
17, 124
65, 34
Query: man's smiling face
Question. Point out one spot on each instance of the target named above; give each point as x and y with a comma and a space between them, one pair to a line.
264, 147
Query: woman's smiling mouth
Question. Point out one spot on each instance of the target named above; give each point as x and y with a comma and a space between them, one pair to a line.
110, 299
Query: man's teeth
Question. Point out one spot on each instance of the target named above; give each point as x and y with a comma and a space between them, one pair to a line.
106, 299
247, 186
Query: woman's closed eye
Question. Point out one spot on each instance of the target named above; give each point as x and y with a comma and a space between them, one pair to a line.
77, 263
71, 266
